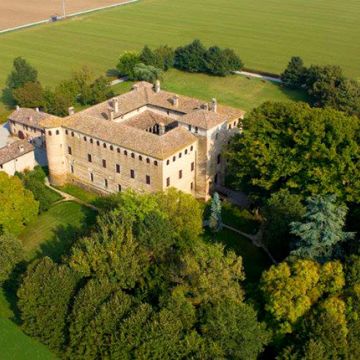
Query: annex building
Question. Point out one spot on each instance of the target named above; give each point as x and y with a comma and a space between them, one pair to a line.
147, 140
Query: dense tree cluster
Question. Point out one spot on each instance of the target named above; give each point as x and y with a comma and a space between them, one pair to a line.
325, 85
18, 206
11, 253
144, 286
27, 91
304, 150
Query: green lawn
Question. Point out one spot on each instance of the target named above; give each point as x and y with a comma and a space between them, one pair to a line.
80, 193
265, 33
53, 231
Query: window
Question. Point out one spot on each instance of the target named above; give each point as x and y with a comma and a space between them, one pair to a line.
132, 174
234, 123
186, 151
196, 129
72, 134
180, 174
180, 155
118, 168
189, 127
140, 157
104, 145
119, 188
219, 158
133, 155
167, 162
104, 163
118, 150
49, 132
216, 178
57, 132
92, 177
191, 186
111, 148
174, 158
66, 132
148, 179
91, 141
229, 127
125, 152
106, 183
89, 158
168, 182
85, 139
147, 160
155, 163
69, 150
192, 166
98, 143
72, 168
191, 148
216, 136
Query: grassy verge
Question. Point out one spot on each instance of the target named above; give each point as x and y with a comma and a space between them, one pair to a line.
54, 231
80, 193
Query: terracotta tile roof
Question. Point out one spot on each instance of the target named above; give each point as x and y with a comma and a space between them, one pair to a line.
14, 150
159, 147
31, 117
147, 119
203, 118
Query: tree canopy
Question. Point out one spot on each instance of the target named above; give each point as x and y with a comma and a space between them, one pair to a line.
21, 74
292, 146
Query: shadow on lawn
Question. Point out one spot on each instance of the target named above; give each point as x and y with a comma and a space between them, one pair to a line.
55, 248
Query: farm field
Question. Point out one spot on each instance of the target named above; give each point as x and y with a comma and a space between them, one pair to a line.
21, 12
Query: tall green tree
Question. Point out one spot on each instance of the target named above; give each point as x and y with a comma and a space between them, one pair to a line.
29, 95
165, 57
215, 222
147, 73
191, 57
21, 74
292, 146
18, 206
127, 63
321, 229
11, 253
148, 57
293, 76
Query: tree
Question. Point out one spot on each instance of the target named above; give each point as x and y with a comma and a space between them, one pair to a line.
279, 211
321, 229
18, 206
290, 290
293, 76
44, 299
57, 102
100, 90
165, 57
216, 63
215, 221
127, 64
148, 57
29, 95
147, 73
21, 74
292, 146
191, 57
11, 253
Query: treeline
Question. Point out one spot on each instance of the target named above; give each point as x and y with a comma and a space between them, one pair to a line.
326, 86
195, 57
26, 90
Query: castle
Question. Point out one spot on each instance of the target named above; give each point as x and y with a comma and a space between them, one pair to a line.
146, 140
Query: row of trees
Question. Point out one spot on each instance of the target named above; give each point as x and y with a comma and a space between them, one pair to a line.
326, 86
149, 64
27, 91
143, 285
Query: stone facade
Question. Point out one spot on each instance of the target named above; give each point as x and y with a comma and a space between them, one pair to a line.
146, 140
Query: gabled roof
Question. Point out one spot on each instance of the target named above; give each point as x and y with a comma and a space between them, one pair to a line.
14, 150
203, 118
31, 117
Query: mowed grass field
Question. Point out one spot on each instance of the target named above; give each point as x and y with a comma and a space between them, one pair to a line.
265, 33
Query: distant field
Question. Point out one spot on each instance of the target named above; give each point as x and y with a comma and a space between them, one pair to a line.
265, 33
21, 12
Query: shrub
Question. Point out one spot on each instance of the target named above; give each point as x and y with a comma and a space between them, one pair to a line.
11, 253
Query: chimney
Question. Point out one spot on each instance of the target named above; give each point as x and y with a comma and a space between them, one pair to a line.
21, 148
176, 101
71, 110
157, 86
116, 105
214, 105
17, 107
161, 128
135, 87
37, 109
111, 114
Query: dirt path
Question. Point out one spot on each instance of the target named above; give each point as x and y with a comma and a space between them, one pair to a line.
21, 12
258, 76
